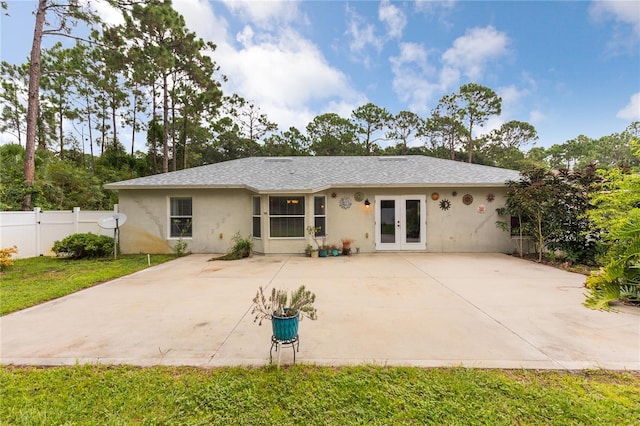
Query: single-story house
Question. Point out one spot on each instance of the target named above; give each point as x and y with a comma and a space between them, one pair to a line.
383, 203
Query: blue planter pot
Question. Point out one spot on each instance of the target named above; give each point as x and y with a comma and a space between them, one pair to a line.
323, 252
285, 328
335, 252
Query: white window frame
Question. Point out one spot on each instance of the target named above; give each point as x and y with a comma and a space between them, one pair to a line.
324, 215
301, 216
172, 217
256, 215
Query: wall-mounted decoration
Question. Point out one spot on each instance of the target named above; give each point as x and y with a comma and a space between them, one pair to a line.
467, 199
358, 196
490, 197
454, 193
435, 196
445, 204
481, 209
345, 202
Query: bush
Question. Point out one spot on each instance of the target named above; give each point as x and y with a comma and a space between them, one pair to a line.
6, 257
242, 247
84, 246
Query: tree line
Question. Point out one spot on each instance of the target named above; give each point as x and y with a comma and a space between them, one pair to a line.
151, 75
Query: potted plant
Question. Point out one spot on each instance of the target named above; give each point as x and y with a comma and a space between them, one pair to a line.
308, 249
313, 231
334, 250
323, 251
346, 245
284, 312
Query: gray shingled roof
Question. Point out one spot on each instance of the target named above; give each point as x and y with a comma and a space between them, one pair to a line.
310, 174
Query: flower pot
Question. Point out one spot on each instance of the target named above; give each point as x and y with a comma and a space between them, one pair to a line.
314, 253
323, 252
285, 328
335, 252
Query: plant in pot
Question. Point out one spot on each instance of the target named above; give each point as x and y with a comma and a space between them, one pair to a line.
334, 250
313, 231
346, 245
283, 311
308, 250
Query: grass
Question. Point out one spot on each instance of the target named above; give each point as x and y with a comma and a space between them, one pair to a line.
312, 395
38, 279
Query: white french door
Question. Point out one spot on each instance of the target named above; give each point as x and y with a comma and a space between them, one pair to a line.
401, 222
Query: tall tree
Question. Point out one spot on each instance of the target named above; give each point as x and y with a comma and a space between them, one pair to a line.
289, 143
371, 121
472, 106
60, 14
12, 100
331, 134
403, 127
162, 41
503, 146
444, 132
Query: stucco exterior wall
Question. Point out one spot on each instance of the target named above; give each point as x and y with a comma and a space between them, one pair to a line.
460, 229
219, 213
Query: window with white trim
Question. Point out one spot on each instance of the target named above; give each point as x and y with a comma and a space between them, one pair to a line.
181, 217
257, 226
320, 214
286, 217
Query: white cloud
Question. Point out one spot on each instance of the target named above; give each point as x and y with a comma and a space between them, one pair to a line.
110, 15
536, 116
411, 70
434, 7
625, 31
632, 110
471, 53
394, 19
269, 14
511, 95
201, 19
626, 12
269, 62
362, 35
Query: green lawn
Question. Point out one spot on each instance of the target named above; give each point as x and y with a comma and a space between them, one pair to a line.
308, 395
38, 279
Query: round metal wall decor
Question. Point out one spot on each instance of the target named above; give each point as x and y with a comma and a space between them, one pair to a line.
358, 196
454, 193
435, 196
467, 199
345, 202
490, 197
445, 204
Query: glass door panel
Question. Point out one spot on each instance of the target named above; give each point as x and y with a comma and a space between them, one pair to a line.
387, 222
412, 221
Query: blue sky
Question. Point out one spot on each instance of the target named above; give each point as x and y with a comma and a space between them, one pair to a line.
568, 68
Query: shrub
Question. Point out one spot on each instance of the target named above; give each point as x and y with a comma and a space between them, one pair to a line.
242, 247
6, 257
84, 246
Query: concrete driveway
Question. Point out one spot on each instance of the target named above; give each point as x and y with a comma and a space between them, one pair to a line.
476, 310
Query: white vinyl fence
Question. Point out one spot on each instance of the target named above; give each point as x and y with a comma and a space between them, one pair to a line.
35, 232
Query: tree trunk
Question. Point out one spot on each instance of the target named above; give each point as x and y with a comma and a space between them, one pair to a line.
154, 147
113, 122
184, 141
165, 124
135, 107
93, 163
60, 128
33, 104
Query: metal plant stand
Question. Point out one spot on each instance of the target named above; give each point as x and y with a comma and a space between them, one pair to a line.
278, 344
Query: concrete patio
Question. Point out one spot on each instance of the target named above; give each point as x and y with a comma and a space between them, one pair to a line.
418, 309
